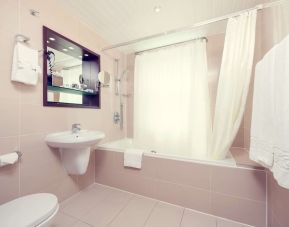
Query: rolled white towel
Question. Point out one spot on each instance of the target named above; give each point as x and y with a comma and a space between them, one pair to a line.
133, 158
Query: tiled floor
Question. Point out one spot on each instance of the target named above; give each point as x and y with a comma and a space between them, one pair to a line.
100, 206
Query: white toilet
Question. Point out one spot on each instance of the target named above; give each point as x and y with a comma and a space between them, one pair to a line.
36, 210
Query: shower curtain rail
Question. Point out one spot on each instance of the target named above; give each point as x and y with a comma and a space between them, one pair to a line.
197, 25
172, 44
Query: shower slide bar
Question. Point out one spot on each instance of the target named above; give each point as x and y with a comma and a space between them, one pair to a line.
197, 25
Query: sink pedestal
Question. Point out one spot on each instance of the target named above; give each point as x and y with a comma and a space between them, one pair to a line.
75, 161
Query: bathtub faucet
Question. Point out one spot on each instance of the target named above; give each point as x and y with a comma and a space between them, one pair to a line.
75, 128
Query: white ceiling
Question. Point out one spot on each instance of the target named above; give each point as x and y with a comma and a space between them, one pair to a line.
123, 20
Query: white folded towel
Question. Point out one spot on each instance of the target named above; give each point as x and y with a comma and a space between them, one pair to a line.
270, 119
25, 66
281, 153
133, 158
262, 127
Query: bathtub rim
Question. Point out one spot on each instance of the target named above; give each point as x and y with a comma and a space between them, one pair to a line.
107, 147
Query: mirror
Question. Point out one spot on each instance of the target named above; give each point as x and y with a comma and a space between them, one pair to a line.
70, 73
104, 78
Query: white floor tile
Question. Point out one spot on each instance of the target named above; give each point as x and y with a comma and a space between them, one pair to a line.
195, 219
135, 213
228, 223
166, 215
63, 220
102, 214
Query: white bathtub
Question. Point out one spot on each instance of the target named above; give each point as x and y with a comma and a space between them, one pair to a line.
123, 144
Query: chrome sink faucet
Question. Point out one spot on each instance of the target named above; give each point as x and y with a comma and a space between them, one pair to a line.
75, 128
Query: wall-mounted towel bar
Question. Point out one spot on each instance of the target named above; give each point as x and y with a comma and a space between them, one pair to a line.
24, 39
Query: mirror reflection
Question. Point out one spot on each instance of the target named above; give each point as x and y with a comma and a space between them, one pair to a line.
71, 73
64, 71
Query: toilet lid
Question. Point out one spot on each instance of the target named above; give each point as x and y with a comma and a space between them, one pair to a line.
28, 211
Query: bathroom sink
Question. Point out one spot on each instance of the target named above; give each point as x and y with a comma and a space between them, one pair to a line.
70, 140
74, 147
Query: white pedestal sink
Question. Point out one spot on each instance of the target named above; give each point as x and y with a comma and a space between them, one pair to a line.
74, 148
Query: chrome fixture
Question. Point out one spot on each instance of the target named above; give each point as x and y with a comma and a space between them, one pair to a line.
75, 128
34, 13
116, 117
24, 39
19, 153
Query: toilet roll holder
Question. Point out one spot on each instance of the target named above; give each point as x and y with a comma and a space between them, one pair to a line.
19, 154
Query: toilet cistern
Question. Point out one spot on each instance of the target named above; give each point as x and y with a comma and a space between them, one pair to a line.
74, 147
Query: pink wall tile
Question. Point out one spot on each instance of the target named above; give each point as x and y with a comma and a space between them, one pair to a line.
244, 183
186, 173
274, 222
241, 156
9, 121
37, 156
63, 188
186, 196
9, 183
278, 199
241, 210
38, 119
239, 140
9, 15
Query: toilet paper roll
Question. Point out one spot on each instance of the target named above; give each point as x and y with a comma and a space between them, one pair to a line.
8, 159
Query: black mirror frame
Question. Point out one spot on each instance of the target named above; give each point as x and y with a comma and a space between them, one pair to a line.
45, 81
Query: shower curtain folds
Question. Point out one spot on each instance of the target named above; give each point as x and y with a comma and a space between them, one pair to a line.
234, 81
171, 100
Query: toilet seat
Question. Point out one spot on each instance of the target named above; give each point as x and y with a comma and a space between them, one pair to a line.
28, 211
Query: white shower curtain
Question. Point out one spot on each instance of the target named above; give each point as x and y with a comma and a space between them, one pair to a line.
171, 100
234, 81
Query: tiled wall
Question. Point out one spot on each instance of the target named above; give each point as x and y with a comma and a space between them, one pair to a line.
24, 122
234, 193
278, 204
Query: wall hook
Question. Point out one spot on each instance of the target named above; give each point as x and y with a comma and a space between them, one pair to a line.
34, 13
